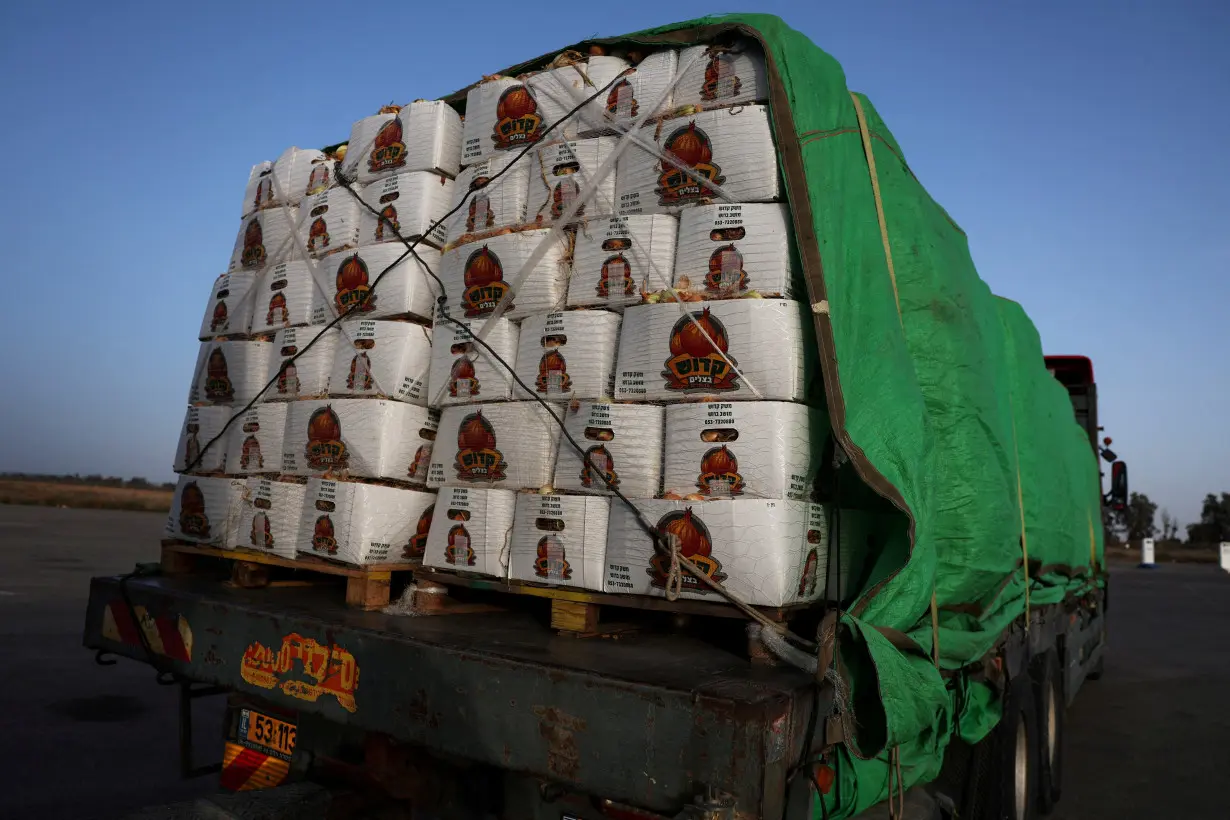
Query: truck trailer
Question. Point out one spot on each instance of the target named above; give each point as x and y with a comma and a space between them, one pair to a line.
966, 605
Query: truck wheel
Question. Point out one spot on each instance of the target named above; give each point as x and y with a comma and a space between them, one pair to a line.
1006, 762
1051, 712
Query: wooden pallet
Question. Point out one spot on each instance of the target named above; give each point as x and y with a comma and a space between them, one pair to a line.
367, 587
581, 612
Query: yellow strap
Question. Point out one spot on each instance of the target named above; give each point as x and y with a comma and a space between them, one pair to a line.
892, 277
1020, 504
875, 190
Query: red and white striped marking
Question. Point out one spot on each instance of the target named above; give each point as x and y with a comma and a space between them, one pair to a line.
166, 634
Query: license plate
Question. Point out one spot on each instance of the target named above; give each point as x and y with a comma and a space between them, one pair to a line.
266, 734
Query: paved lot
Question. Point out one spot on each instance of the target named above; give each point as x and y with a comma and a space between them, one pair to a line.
1150, 740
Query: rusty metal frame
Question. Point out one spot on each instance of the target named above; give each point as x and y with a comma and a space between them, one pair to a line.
650, 721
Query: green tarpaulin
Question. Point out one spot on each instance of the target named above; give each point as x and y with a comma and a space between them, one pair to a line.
939, 395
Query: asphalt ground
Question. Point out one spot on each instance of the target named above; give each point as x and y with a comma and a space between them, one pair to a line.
1149, 740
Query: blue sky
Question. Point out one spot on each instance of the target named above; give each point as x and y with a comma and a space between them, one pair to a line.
1080, 145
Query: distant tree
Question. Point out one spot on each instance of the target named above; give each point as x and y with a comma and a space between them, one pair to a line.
1170, 527
1214, 526
1135, 520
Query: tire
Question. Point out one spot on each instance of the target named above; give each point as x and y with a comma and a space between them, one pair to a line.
1004, 783
1051, 714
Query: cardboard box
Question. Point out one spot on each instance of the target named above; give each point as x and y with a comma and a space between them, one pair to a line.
507, 445
559, 90
201, 426
254, 442
413, 202
465, 372
389, 360
285, 296
265, 238
750, 449
559, 540
565, 172
471, 532
729, 150
270, 517
681, 351
307, 376
567, 355
297, 173
479, 274
422, 136
722, 76
643, 91
507, 115
258, 193
767, 553
229, 310
358, 438
491, 205
622, 441
725, 251
328, 223
230, 373
359, 523
616, 258
205, 511
406, 290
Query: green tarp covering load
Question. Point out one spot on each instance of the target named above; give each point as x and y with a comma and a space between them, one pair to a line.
986, 492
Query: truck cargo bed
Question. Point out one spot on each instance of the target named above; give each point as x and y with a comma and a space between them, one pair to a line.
649, 719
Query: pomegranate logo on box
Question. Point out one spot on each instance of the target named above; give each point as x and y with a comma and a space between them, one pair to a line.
477, 456
690, 147
616, 275
484, 283
253, 255
721, 82
551, 561
480, 215
219, 319
323, 539
218, 385
719, 473
318, 234
325, 450
807, 581
517, 120
360, 377
598, 462
261, 536
388, 217
418, 466
278, 313
462, 380
264, 193
459, 550
250, 455
683, 528
553, 373
621, 102
695, 363
288, 378
726, 275
192, 518
418, 542
352, 286
388, 150
318, 181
